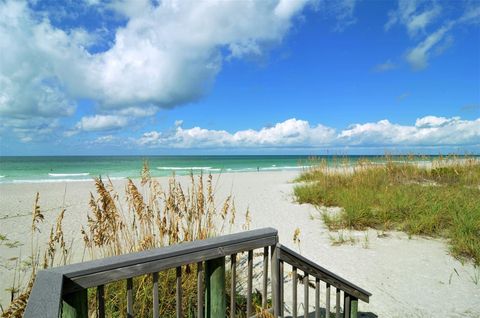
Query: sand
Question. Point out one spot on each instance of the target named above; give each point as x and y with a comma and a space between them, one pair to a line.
408, 277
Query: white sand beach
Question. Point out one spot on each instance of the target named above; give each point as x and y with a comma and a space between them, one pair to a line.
408, 277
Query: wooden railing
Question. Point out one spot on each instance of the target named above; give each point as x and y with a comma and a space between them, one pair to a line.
62, 291
320, 275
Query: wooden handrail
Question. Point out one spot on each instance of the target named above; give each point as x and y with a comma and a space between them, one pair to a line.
66, 286
63, 280
306, 265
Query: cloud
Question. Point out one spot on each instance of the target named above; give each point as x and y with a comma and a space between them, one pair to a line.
414, 15
419, 15
287, 8
384, 67
344, 11
101, 122
418, 56
295, 133
403, 96
107, 139
29, 87
290, 133
128, 8
170, 54
433, 121
471, 15
29, 129
428, 131
166, 55
138, 112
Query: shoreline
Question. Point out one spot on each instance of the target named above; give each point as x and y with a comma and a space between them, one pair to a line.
80, 171
213, 172
388, 267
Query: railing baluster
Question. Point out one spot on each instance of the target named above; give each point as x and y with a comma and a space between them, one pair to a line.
337, 304
155, 295
294, 292
179, 293
327, 301
346, 305
249, 283
233, 287
305, 294
265, 277
130, 297
200, 290
317, 298
282, 291
101, 301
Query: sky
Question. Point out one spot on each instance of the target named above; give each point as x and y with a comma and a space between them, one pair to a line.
135, 77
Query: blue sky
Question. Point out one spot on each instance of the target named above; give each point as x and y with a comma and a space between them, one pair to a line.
216, 77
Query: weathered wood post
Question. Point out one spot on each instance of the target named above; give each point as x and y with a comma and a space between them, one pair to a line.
354, 307
276, 297
75, 305
215, 304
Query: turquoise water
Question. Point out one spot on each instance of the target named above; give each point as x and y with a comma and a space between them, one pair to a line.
78, 168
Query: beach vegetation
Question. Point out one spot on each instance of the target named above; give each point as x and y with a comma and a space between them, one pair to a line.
340, 238
475, 276
146, 216
437, 199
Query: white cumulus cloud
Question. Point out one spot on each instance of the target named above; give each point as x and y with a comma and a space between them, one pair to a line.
434, 121
170, 54
166, 55
290, 133
29, 86
294, 133
427, 131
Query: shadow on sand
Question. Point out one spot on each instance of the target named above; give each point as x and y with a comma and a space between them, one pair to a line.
332, 315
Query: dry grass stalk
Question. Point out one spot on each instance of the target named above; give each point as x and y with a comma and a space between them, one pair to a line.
17, 306
154, 217
37, 215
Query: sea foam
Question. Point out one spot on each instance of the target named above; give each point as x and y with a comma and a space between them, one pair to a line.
184, 168
60, 175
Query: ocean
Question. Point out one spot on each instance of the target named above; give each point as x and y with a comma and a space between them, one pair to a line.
81, 168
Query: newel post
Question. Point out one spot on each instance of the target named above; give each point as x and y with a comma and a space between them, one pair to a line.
276, 291
215, 302
354, 308
75, 305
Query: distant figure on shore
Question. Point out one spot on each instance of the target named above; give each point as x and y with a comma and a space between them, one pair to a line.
258, 169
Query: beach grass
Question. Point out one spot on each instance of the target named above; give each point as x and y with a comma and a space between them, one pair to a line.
146, 216
440, 199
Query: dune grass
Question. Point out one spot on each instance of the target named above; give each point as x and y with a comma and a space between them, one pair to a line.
441, 200
146, 216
